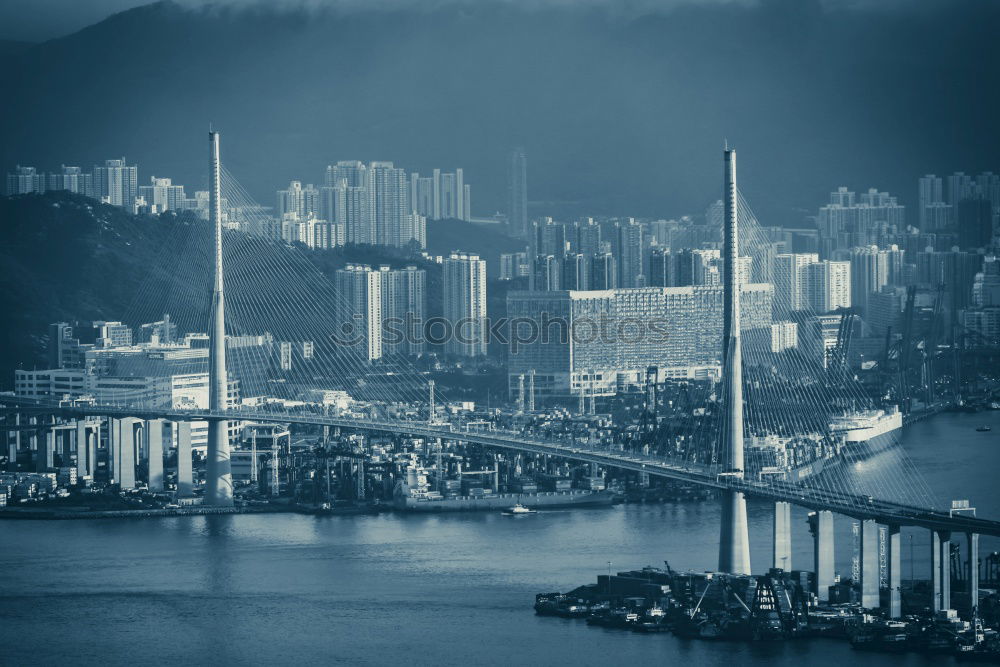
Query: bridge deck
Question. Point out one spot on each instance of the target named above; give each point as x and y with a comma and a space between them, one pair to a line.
848, 504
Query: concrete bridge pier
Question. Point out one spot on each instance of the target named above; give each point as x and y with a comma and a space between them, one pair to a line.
935, 571
869, 565
973, 539
33, 438
895, 574
941, 569
821, 526
126, 433
85, 448
154, 454
185, 484
14, 443
782, 536
45, 454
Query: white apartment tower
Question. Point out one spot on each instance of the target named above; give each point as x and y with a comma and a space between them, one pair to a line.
465, 304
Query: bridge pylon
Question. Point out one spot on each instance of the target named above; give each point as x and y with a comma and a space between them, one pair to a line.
734, 538
218, 477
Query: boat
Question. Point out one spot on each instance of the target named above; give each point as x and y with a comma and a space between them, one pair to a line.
518, 510
867, 432
889, 642
984, 428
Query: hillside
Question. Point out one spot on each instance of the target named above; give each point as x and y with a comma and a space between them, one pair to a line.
620, 112
71, 258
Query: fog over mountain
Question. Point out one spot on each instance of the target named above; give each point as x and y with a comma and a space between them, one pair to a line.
621, 112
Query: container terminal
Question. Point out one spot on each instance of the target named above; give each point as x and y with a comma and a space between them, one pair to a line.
780, 606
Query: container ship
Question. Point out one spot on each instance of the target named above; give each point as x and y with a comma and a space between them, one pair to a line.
468, 493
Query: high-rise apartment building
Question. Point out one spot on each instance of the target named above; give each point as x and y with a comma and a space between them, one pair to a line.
828, 285
25, 180
513, 265
302, 202
404, 304
517, 190
116, 183
72, 179
848, 220
790, 291
631, 265
388, 203
442, 195
162, 194
359, 312
465, 304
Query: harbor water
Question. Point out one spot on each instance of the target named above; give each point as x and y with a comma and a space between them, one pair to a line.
450, 589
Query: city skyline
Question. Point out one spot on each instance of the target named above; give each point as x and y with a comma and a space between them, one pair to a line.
262, 401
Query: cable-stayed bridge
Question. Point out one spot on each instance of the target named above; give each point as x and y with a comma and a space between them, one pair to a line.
267, 295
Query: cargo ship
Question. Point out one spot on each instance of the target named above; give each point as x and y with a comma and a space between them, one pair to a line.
403, 500
415, 494
867, 432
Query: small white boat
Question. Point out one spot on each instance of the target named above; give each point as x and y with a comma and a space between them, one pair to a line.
519, 509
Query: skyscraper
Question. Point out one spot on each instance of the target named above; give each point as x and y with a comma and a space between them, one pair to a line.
631, 269
517, 187
465, 304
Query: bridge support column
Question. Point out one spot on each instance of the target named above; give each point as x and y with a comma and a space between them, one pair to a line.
45, 455
154, 450
184, 477
130, 436
14, 443
82, 439
895, 574
944, 568
935, 571
821, 525
782, 536
973, 573
114, 449
869, 564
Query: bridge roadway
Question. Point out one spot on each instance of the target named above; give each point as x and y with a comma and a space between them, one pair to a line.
848, 504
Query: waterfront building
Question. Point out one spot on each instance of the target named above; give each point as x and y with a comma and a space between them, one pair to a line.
581, 347
465, 304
